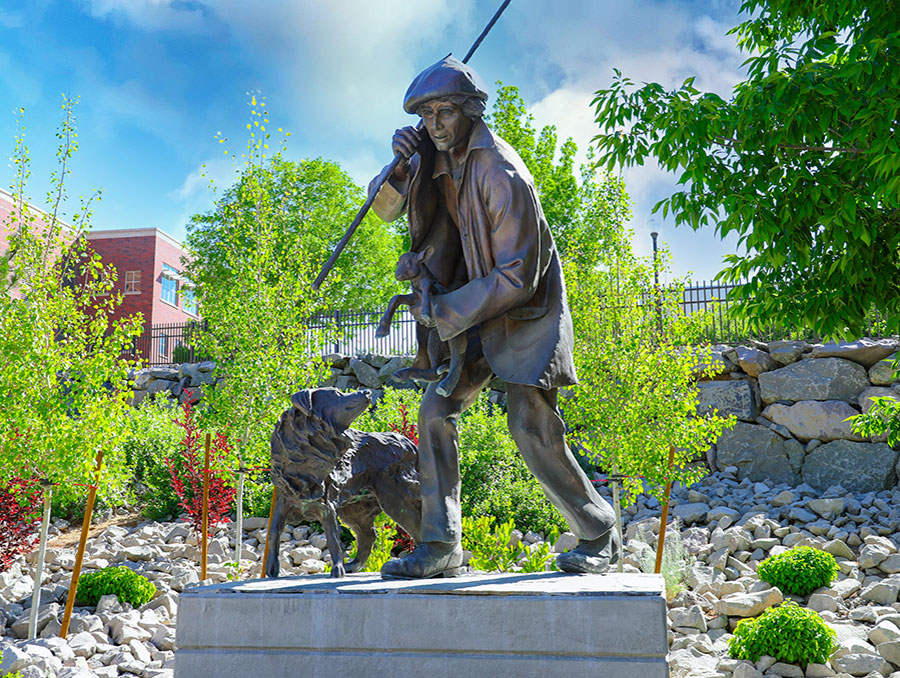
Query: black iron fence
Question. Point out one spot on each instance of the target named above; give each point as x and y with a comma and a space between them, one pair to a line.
353, 332
169, 343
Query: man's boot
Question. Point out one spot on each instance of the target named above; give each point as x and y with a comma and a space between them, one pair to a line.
429, 559
592, 556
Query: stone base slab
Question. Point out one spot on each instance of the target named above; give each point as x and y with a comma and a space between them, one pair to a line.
540, 625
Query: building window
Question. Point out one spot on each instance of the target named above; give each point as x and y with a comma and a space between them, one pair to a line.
132, 282
163, 345
188, 300
169, 285
105, 282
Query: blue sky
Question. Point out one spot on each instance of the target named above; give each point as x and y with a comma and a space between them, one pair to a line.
158, 79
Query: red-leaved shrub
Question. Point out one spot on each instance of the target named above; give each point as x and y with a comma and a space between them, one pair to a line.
20, 515
406, 427
186, 473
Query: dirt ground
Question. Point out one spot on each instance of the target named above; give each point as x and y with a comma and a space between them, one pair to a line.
69, 537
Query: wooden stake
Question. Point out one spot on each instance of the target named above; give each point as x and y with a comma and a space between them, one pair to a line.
204, 547
269, 533
618, 510
39, 568
82, 544
665, 513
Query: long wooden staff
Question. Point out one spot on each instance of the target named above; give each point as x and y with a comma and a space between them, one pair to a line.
386, 172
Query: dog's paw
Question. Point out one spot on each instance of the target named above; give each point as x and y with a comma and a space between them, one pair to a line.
338, 570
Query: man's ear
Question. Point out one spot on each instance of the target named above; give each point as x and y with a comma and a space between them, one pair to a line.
302, 400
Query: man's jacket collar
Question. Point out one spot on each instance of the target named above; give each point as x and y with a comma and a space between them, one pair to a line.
479, 137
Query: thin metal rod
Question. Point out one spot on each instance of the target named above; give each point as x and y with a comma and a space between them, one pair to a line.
204, 547
239, 522
82, 545
39, 568
379, 181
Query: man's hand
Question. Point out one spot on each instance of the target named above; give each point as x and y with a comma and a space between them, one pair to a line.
405, 144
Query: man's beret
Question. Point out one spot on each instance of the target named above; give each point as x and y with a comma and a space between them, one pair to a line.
447, 77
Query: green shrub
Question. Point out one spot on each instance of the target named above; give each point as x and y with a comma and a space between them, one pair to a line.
181, 354
800, 571
127, 585
495, 480
788, 632
491, 550
676, 561
151, 436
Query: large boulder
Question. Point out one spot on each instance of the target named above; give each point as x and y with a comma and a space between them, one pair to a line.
865, 398
365, 373
857, 467
786, 352
809, 419
882, 372
730, 398
753, 361
823, 379
866, 352
712, 362
760, 454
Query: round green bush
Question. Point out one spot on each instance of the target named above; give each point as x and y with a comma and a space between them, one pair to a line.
800, 571
789, 633
127, 585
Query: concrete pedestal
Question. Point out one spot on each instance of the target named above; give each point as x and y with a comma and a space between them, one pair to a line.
524, 625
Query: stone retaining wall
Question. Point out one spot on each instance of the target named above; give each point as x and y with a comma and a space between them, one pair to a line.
791, 400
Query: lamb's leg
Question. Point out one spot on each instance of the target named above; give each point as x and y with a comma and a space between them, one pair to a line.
457, 358
426, 299
384, 325
425, 374
333, 537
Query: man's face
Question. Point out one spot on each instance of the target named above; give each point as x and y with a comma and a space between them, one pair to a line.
446, 124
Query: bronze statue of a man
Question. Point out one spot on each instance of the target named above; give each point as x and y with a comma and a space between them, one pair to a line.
468, 194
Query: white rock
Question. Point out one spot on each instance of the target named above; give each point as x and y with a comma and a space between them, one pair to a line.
883, 632
861, 664
883, 592
748, 604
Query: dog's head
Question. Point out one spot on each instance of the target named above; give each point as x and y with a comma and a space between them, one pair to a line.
335, 408
309, 440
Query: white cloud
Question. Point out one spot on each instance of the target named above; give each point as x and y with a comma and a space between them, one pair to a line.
151, 14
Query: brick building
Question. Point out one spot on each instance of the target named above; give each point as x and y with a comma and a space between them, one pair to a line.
148, 266
10, 211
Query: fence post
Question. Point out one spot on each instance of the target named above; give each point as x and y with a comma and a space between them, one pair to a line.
337, 325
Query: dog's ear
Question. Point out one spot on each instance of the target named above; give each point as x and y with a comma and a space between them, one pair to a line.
302, 400
425, 254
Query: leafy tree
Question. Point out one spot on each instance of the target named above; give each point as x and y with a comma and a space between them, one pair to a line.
63, 381
316, 200
636, 399
586, 213
256, 306
802, 161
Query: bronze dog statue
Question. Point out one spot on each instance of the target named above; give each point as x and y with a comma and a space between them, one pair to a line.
323, 470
